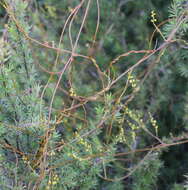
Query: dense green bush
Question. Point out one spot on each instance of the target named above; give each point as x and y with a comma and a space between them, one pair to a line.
93, 95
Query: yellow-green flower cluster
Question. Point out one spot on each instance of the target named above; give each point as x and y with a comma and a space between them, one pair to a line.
72, 92
74, 156
132, 80
121, 137
85, 144
132, 125
134, 128
81, 141
51, 10
4, 51
136, 117
153, 17
51, 153
120, 120
52, 181
25, 160
133, 134
154, 123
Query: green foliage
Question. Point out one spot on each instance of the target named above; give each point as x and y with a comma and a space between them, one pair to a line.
178, 187
176, 11
89, 129
145, 178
